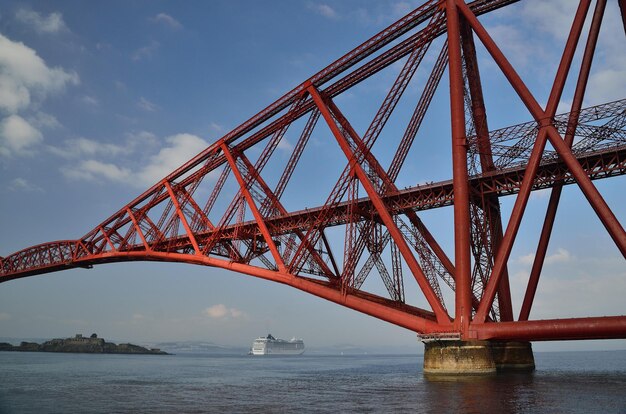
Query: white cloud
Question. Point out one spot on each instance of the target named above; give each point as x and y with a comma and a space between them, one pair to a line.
608, 78
324, 10
285, 145
216, 311
402, 8
138, 317
608, 83
584, 287
382, 13
141, 139
167, 20
237, 314
554, 17
514, 44
177, 151
18, 137
181, 148
220, 311
84, 147
92, 170
90, 100
146, 105
522, 37
44, 120
53, 23
23, 74
561, 256
214, 126
538, 32
146, 51
527, 259
103, 46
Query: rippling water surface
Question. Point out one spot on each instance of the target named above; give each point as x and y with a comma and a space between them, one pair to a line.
567, 382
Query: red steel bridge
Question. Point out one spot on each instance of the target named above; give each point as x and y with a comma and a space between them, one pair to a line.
190, 218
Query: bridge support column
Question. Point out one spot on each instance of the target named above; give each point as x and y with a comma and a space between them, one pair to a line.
476, 357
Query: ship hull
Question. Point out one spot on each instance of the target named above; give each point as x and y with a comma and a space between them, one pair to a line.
276, 352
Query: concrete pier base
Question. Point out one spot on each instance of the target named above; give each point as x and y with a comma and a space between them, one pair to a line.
513, 356
476, 357
458, 358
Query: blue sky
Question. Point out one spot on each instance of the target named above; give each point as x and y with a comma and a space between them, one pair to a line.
101, 100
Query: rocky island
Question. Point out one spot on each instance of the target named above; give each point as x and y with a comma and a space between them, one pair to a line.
81, 344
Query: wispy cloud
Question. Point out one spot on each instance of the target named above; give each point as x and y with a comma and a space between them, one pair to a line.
179, 149
324, 10
285, 145
90, 100
215, 127
145, 52
167, 20
138, 317
50, 24
382, 13
92, 170
21, 184
143, 140
81, 147
85, 147
608, 79
554, 17
560, 256
402, 8
122, 166
539, 32
586, 286
514, 44
43, 120
147, 105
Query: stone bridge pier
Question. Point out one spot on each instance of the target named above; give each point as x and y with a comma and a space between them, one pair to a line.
457, 357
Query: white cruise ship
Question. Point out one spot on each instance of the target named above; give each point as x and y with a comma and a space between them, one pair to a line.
272, 346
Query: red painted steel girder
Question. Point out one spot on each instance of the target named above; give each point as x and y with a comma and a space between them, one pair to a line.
605, 327
169, 222
335, 69
602, 164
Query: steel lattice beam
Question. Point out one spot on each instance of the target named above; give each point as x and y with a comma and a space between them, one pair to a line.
254, 233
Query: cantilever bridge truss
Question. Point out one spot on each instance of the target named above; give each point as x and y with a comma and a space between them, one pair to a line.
190, 217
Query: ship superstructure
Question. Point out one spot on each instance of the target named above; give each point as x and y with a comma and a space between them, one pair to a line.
271, 346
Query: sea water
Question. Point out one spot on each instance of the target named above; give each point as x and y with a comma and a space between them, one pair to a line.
564, 382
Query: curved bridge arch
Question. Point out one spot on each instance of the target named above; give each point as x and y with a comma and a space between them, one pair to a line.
256, 235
